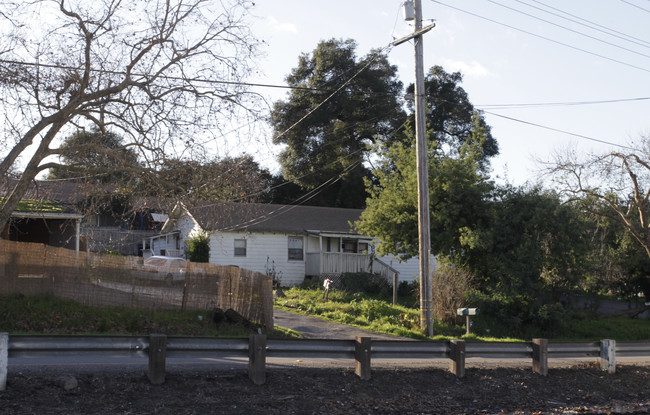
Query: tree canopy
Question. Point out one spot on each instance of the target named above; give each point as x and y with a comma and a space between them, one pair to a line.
451, 118
458, 191
96, 156
615, 184
165, 75
338, 105
230, 179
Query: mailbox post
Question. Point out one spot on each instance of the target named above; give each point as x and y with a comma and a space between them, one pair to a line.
467, 312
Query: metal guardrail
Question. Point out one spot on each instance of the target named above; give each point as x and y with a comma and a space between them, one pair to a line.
361, 349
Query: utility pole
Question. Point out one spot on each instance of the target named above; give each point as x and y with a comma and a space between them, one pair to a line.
426, 289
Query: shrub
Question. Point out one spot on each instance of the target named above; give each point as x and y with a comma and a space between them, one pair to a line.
364, 282
198, 248
450, 285
517, 316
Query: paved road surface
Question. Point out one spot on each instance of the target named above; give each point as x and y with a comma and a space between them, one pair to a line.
317, 328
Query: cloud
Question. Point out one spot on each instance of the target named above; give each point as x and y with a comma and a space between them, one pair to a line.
471, 70
282, 27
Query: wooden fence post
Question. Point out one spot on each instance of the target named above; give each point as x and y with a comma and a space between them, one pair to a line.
457, 356
4, 359
157, 356
362, 349
608, 355
257, 358
540, 356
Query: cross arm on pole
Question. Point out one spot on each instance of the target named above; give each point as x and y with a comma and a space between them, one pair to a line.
413, 35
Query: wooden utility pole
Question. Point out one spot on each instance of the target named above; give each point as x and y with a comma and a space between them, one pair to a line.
426, 291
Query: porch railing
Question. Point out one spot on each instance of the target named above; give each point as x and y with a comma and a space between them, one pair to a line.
320, 263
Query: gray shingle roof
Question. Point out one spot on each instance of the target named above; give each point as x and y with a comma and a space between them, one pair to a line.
257, 217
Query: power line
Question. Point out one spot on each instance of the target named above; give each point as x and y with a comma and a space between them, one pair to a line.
558, 104
177, 78
615, 33
566, 28
561, 131
635, 5
540, 36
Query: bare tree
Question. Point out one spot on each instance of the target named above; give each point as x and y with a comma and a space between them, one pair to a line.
616, 185
164, 74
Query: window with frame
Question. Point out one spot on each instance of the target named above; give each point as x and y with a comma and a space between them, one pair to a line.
240, 247
350, 246
295, 248
364, 248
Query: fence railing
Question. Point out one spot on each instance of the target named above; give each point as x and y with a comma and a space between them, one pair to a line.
328, 263
360, 350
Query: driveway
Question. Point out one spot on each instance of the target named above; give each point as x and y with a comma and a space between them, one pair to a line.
317, 328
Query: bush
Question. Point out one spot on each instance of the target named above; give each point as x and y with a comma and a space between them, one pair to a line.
451, 284
517, 316
364, 282
198, 248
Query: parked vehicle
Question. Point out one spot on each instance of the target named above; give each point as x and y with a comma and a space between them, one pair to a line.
169, 269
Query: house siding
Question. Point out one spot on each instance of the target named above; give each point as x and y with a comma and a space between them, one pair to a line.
409, 270
265, 253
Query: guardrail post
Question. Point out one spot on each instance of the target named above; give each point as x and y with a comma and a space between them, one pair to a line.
4, 359
362, 349
157, 356
540, 356
608, 355
257, 358
457, 356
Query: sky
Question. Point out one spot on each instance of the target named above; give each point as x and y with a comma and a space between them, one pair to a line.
550, 75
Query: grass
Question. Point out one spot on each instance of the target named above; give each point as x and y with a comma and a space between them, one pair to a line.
381, 316
48, 315
362, 311
617, 328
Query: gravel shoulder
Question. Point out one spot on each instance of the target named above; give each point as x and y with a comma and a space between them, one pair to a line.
575, 390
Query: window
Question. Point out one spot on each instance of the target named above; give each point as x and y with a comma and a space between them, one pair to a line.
349, 246
295, 248
363, 248
240, 247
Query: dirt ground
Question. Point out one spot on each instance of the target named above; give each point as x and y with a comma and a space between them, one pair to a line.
576, 390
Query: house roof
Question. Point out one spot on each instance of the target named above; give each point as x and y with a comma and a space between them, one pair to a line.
259, 217
73, 193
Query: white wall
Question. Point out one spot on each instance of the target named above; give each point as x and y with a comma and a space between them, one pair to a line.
264, 251
409, 270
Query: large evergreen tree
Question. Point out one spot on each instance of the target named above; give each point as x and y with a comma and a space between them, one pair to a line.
451, 117
338, 105
94, 156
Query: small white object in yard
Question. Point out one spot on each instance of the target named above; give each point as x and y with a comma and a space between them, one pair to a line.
200, 318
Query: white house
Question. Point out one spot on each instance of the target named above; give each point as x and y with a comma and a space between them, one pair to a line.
285, 241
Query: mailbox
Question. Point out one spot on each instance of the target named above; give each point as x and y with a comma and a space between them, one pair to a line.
467, 311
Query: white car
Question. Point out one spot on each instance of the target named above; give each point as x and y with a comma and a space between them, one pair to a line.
168, 268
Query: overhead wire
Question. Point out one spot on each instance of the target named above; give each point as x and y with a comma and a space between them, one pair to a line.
558, 104
541, 36
561, 131
567, 28
592, 25
636, 5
